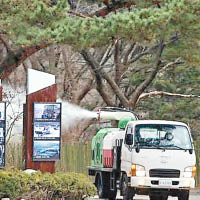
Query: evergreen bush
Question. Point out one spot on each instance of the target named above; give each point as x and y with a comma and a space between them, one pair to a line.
16, 184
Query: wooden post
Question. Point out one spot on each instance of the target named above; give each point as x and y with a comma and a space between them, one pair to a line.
48, 94
43, 89
1, 91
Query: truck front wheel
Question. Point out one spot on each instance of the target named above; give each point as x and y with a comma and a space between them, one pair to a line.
184, 195
158, 197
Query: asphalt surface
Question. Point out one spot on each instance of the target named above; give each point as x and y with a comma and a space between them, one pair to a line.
194, 195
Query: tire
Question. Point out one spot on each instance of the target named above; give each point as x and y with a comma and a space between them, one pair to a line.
154, 198
112, 195
99, 186
158, 197
103, 186
127, 192
184, 195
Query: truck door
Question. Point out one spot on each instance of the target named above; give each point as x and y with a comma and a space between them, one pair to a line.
127, 148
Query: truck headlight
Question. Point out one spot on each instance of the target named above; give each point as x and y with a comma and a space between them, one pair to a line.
189, 172
137, 170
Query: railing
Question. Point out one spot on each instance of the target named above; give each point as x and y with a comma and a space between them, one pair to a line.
74, 157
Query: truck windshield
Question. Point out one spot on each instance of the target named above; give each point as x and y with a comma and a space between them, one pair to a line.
162, 136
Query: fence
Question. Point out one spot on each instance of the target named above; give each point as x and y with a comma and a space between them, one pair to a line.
74, 157
14, 156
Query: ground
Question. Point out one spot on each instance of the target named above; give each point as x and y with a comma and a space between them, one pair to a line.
194, 195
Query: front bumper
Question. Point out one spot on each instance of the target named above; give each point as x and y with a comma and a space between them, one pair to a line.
154, 182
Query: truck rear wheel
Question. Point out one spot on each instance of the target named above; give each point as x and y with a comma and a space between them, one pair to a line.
99, 186
103, 186
127, 192
184, 195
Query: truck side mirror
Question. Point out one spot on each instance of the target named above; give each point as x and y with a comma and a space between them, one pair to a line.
191, 151
129, 139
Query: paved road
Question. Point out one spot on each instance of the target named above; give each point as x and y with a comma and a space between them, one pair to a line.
137, 197
195, 195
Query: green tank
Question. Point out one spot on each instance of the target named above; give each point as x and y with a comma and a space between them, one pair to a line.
97, 146
97, 142
110, 114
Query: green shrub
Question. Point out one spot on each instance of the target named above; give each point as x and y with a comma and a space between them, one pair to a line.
16, 184
13, 183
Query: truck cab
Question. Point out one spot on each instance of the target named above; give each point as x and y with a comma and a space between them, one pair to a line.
157, 159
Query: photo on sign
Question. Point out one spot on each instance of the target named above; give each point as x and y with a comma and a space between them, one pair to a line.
2, 138
47, 111
2, 155
46, 130
46, 150
1, 132
2, 110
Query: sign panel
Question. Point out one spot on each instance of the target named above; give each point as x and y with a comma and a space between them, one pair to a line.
46, 150
2, 133
47, 111
46, 131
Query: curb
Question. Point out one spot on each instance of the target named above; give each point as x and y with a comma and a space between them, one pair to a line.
195, 191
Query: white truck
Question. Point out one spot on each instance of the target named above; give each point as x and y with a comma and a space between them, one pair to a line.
150, 157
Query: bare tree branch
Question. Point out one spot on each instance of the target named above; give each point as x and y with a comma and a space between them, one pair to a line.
140, 89
15, 58
176, 62
111, 82
127, 53
69, 73
117, 62
111, 6
83, 91
78, 14
107, 55
147, 51
7, 46
103, 12
143, 53
94, 69
162, 93
81, 72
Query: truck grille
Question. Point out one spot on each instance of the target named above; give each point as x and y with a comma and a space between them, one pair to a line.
164, 173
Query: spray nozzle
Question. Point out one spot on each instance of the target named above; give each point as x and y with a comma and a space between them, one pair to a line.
98, 114
116, 115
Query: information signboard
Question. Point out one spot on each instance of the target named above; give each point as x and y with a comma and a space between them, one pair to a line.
46, 131
2, 133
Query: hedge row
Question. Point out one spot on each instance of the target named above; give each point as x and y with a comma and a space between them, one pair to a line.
17, 184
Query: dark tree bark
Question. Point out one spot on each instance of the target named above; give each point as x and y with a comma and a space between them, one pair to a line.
140, 89
15, 58
94, 67
114, 83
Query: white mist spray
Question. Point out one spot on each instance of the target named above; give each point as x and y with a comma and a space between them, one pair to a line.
73, 114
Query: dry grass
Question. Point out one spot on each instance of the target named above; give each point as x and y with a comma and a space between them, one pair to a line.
74, 157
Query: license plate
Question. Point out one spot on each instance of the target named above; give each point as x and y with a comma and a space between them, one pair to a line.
165, 182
